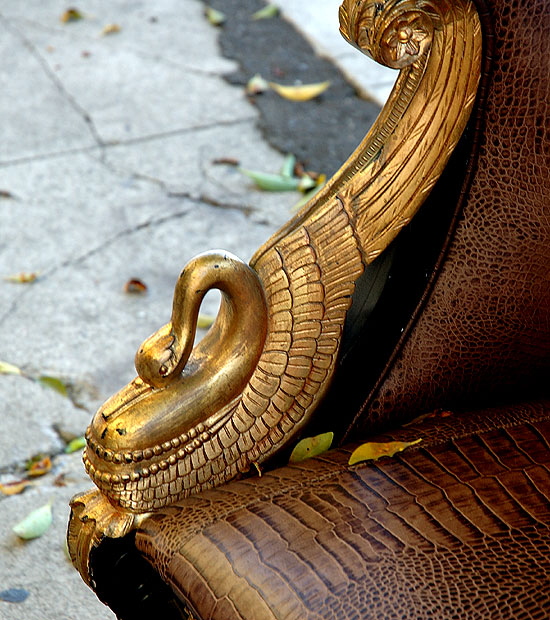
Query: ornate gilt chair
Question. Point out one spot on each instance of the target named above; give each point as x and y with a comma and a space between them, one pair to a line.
408, 300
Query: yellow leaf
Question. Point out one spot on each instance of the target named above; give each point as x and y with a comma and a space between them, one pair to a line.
110, 29
9, 369
39, 467
14, 488
372, 450
301, 92
271, 10
311, 446
71, 15
22, 278
216, 18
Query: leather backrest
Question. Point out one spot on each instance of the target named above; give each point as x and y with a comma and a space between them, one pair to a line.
482, 331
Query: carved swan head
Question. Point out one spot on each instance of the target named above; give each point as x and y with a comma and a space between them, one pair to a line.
197, 417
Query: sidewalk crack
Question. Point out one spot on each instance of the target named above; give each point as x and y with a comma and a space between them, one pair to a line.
50, 74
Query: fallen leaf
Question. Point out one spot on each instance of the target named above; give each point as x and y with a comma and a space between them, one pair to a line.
372, 451
306, 183
135, 286
7, 195
216, 18
53, 383
79, 443
60, 481
14, 488
39, 467
9, 369
109, 29
288, 166
226, 161
300, 92
14, 595
205, 321
311, 446
270, 10
272, 182
71, 15
35, 523
256, 85
22, 278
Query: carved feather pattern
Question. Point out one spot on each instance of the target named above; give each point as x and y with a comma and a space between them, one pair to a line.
309, 268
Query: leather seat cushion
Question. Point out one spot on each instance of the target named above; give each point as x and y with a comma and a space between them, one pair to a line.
454, 527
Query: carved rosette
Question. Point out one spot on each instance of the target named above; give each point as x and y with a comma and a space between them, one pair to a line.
395, 34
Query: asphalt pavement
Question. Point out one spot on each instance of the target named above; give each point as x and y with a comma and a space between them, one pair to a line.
120, 134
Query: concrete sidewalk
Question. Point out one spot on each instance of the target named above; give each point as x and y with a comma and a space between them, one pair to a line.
107, 174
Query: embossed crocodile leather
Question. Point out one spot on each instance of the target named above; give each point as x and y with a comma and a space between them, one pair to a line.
456, 527
482, 333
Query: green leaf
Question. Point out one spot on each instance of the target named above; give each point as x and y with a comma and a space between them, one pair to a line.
272, 182
311, 446
76, 444
287, 170
9, 369
53, 383
216, 18
35, 523
271, 10
372, 451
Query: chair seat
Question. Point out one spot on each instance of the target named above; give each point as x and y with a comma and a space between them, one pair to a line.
454, 527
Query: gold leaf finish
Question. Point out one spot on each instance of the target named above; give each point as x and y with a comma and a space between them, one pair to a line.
198, 417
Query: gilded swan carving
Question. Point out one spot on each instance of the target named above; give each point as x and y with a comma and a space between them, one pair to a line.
197, 417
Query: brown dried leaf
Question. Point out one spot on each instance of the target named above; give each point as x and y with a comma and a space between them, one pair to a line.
372, 451
226, 161
135, 287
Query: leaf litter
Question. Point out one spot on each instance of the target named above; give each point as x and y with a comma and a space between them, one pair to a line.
372, 450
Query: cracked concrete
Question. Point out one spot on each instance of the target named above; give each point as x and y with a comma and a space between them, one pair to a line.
108, 172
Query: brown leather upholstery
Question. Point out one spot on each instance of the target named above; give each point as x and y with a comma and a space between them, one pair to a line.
456, 527
482, 330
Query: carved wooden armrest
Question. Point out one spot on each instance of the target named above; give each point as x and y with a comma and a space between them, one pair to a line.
195, 418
